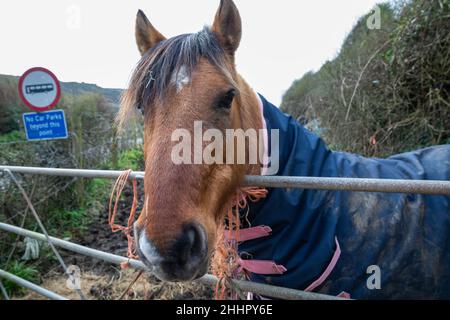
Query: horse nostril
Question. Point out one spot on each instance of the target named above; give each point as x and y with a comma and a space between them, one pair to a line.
192, 244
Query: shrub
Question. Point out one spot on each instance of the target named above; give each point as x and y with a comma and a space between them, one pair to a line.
388, 90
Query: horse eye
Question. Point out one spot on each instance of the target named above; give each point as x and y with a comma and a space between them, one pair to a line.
227, 99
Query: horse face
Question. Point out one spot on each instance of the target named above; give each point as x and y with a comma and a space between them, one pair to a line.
184, 202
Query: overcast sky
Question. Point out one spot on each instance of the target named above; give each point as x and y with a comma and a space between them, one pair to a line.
93, 40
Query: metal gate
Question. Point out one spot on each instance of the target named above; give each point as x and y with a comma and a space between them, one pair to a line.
323, 183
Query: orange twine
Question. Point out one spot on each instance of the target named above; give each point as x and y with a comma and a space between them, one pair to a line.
127, 230
225, 260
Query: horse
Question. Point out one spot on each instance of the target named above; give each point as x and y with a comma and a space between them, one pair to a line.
359, 245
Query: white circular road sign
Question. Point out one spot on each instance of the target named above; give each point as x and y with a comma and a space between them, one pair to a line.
39, 89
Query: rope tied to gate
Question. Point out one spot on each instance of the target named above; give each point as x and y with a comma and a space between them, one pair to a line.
225, 262
116, 193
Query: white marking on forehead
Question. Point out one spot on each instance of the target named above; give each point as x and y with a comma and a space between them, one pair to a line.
148, 250
180, 78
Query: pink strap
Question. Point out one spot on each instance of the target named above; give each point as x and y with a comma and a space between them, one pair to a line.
265, 161
328, 270
255, 266
249, 233
262, 266
344, 295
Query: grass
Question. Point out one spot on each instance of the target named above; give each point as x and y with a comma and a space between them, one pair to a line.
12, 136
23, 271
132, 159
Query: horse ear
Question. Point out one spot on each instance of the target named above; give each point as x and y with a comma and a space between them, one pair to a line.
228, 26
146, 35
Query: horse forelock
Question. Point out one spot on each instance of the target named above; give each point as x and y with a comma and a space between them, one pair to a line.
169, 65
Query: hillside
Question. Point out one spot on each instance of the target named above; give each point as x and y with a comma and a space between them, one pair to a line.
77, 88
11, 106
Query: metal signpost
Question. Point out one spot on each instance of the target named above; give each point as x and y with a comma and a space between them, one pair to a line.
40, 90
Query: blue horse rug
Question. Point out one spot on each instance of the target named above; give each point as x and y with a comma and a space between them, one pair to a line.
334, 242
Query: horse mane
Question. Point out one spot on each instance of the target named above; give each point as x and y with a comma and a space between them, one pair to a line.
153, 75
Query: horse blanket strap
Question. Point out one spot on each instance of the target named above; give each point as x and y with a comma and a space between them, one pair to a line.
255, 266
328, 269
248, 233
344, 295
262, 266
322, 277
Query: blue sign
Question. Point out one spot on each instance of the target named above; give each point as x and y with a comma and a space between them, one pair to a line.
45, 125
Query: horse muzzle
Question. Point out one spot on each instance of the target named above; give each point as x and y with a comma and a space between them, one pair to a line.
184, 260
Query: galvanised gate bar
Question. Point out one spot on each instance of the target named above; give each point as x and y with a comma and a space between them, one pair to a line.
349, 184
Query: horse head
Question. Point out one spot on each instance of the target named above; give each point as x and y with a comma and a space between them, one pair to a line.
178, 84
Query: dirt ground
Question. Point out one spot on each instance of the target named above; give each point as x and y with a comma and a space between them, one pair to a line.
113, 285
101, 280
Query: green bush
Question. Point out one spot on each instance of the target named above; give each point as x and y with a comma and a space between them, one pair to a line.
388, 90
